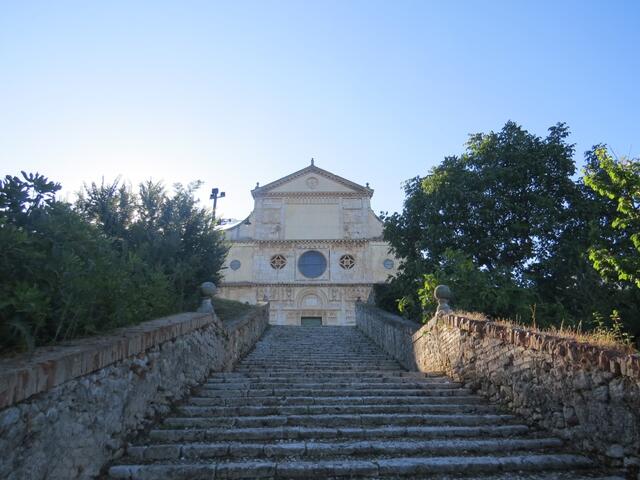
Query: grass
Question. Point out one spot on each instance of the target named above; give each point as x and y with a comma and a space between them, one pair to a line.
607, 338
230, 309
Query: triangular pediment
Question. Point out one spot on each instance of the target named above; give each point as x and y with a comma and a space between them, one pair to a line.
312, 180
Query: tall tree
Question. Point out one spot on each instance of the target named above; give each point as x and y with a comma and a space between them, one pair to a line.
505, 205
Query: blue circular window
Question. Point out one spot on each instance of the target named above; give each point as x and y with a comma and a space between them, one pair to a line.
235, 264
312, 264
388, 264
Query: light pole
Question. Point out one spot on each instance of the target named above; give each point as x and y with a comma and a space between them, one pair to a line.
215, 195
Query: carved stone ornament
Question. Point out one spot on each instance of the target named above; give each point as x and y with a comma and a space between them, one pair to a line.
312, 183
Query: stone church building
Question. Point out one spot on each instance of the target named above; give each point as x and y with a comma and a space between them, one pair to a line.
311, 247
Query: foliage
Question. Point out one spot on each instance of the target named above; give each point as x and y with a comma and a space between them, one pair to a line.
616, 256
230, 309
492, 292
497, 210
509, 230
65, 277
170, 232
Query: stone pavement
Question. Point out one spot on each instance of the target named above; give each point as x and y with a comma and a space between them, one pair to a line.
324, 402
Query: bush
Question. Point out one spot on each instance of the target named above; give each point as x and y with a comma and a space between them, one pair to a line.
66, 275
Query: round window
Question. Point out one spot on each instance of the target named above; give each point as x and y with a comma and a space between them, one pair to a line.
388, 264
347, 261
235, 264
312, 264
278, 262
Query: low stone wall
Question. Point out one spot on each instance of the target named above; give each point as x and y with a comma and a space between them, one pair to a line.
585, 394
390, 332
68, 410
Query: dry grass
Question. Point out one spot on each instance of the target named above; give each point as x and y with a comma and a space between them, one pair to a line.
471, 315
609, 339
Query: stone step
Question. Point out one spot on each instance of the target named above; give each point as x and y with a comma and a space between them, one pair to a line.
265, 384
336, 400
352, 468
307, 433
327, 377
326, 403
307, 360
340, 354
292, 369
216, 411
339, 420
342, 392
294, 355
315, 449
323, 382
322, 375
304, 368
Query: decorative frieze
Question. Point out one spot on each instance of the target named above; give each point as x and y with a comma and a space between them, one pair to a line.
274, 293
312, 200
311, 194
340, 285
271, 215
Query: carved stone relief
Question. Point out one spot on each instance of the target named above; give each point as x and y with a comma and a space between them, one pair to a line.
271, 215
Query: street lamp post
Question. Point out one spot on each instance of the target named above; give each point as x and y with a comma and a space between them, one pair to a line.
215, 195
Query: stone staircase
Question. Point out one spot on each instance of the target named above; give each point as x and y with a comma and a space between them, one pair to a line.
324, 402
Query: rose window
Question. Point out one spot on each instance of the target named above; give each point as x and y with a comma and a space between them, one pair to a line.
278, 262
312, 264
347, 262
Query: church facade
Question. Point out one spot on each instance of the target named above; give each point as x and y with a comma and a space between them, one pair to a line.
311, 247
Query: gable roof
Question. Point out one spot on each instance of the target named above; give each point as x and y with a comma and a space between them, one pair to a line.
265, 189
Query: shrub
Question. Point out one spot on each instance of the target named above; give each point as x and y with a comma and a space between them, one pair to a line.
66, 275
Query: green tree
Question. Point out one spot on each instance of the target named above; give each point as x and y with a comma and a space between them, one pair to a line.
170, 232
503, 205
616, 254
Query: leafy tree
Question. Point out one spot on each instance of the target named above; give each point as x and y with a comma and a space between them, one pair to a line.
513, 234
503, 206
616, 255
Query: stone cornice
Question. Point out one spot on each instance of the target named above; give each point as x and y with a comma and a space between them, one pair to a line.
265, 190
313, 194
306, 243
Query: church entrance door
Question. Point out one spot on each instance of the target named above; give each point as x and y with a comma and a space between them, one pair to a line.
311, 321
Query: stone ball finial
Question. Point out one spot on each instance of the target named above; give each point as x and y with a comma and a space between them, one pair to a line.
208, 290
443, 294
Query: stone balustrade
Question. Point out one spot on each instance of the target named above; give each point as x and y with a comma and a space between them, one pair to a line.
586, 394
66, 411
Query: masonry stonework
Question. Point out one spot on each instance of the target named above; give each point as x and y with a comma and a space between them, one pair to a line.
67, 410
583, 393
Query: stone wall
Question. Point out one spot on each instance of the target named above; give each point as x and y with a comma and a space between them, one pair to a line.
67, 410
391, 332
585, 394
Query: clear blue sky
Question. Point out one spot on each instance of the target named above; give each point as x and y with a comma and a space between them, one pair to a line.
237, 92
